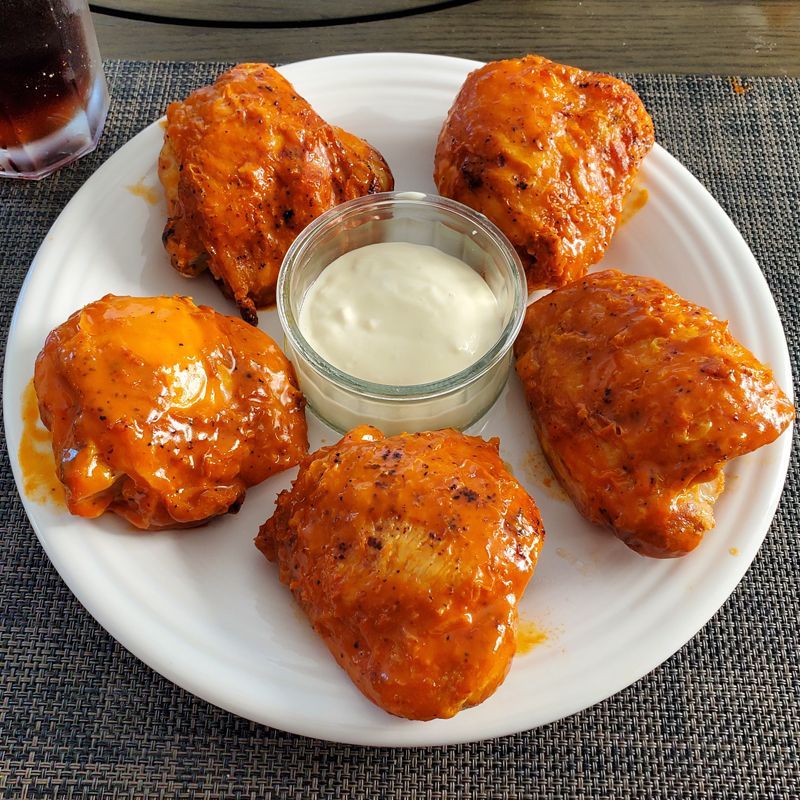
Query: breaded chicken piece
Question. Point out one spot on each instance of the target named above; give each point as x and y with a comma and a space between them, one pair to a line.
165, 412
639, 397
548, 153
246, 165
409, 555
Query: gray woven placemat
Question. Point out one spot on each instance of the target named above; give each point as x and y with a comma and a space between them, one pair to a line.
81, 717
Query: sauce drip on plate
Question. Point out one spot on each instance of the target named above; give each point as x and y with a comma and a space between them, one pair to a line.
634, 203
39, 481
529, 634
150, 194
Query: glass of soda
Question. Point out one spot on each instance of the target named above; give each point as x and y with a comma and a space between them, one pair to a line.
53, 94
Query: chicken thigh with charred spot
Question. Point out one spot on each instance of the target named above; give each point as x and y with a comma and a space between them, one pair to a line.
409, 554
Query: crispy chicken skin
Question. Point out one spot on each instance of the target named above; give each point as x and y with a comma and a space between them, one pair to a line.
246, 165
165, 412
409, 555
548, 153
639, 397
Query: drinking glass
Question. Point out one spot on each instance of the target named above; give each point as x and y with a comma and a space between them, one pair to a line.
53, 94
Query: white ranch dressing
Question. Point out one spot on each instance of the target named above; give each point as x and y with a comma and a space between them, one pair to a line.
400, 314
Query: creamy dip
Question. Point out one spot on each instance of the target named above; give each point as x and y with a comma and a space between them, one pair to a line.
400, 314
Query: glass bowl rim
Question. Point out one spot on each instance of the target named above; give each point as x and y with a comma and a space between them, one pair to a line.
400, 392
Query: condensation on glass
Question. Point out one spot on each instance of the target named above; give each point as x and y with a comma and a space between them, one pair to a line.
53, 95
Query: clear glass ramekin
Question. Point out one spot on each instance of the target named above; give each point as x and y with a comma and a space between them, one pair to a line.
344, 401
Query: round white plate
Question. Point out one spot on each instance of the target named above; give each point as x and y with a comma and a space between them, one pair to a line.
206, 610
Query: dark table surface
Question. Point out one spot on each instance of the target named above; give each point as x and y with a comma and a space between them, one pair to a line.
708, 36
81, 717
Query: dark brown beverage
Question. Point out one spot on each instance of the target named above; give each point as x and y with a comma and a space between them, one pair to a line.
49, 68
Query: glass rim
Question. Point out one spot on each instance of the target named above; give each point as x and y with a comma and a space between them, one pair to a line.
400, 392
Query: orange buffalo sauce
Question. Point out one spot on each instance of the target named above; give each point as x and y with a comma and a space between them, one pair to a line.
739, 87
539, 472
150, 194
39, 481
528, 636
634, 203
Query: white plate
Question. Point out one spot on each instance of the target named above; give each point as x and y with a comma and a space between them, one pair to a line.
206, 610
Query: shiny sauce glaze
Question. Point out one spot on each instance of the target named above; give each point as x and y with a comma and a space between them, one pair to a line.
246, 165
409, 554
165, 412
639, 398
547, 152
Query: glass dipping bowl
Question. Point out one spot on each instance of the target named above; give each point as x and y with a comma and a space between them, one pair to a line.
457, 401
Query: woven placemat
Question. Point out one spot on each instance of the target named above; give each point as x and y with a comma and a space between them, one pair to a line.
81, 717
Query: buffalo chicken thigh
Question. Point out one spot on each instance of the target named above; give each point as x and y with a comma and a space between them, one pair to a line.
409, 555
246, 165
165, 412
639, 397
548, 153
